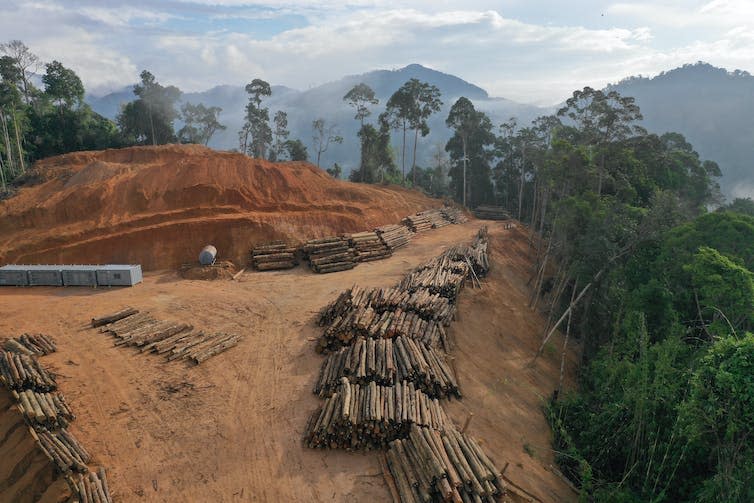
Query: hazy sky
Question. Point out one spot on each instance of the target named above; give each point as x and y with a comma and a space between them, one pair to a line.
527, 50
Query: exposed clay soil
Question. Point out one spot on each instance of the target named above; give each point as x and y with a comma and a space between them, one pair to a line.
230, 429
158, 206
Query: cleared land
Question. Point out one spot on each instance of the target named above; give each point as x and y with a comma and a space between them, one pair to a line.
230, 429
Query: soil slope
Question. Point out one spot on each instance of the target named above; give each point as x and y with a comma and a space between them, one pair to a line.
158, 206
230, 429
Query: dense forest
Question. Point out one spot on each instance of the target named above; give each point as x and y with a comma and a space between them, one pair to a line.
639, 261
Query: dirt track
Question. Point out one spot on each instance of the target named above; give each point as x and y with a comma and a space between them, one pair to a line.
230, 429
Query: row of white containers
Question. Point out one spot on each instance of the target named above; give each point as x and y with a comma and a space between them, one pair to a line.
70, 275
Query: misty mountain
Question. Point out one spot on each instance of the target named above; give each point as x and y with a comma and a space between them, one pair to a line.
712, 108
326, 101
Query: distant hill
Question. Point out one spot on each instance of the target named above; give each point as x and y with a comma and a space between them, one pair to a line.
326, 101
712, 108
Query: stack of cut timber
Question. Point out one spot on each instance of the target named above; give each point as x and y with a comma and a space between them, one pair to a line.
454, 215
91, 487
63, 450
20, 372
273, 256
435, 217
370, 416
438, 280
368, 246
174, 340
31, 344
48, 410
112, 318
367, 322
417, 223
422, 302
394, 236
491, 213
442, 466
329, 254
387, 362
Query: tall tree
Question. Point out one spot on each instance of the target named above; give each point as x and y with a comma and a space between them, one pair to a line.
409, 108
149, 119
280, 134
469, 152
26, 63
323, 135
62, 85
359, 97
200, 123
257, 124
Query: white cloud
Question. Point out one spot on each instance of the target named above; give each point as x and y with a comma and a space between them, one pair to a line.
197, 44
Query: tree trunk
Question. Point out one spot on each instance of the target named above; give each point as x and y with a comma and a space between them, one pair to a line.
413, 162
521, 182
403, 156
8, 151
18, 144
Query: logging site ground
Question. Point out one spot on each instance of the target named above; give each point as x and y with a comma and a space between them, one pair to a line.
231, 428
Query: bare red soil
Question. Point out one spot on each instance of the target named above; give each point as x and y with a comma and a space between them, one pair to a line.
230, 429
158, 206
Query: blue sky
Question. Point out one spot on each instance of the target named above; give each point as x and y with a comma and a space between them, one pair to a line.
531, 51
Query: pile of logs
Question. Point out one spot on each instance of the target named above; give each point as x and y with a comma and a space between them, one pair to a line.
417, 223
91, 487
173, 340
273, 256
444, 281
442, 466
31, 344
370, 416
394, 236
435, 217
63, 450
387, 362
329, 254
491, 213
44, 410
454, 215
368, 246
422, 302
367, 322
20, 372
112, 318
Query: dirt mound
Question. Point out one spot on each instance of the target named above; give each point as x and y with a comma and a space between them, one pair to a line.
220, 270
158, 206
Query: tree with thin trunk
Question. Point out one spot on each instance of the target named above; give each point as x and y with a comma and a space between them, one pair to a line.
323, 135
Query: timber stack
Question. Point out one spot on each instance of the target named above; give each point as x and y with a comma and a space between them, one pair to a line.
31, 344
491, 213
435, 217
62, 448
417, 223
43, 410
331, 254
454, 215
394, 236
20, 372
388, 362
91, 487
368, 246
442, 466
274, 256
370, 416
175, 341
422, 302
